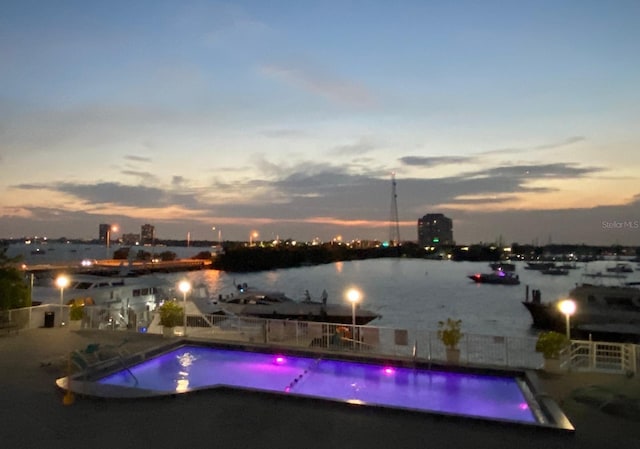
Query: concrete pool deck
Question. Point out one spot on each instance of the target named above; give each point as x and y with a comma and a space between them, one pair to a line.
33, 414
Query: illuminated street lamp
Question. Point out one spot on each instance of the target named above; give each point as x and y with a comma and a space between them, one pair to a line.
568, 308
252, 235
354, 296
62, 282
110, 229
219, 235
184, 287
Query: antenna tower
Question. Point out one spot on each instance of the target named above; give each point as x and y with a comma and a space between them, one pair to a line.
394, 224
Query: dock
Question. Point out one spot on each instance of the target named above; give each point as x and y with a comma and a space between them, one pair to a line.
115, 267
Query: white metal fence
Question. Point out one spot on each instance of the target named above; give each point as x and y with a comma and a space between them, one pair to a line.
423, 345
603, 356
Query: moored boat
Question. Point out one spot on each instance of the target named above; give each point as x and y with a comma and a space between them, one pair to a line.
497, 277
620, 267
246, 301
555, 271
503, 266
116, 301
606, 311
539, 265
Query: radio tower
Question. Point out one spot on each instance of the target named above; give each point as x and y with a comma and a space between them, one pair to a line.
394, 225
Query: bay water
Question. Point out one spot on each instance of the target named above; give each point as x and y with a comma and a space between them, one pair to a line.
408, 293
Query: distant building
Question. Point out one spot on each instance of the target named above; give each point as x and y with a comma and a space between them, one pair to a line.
103, 230
147, 234
130, 239
435, 230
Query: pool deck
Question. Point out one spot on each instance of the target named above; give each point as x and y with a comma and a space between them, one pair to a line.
34, 416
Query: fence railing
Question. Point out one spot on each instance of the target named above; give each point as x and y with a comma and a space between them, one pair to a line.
423, 345
603, 357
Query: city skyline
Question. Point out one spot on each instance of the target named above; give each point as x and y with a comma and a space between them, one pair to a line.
517, 121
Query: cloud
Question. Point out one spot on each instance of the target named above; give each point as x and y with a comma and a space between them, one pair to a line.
309, 197
533, 171
143, 175
545, 146
178, 180
327, 86
419, 161
483, 199
136, 158
360, 147
115, 194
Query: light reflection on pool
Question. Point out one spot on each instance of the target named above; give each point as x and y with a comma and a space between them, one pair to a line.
191, 367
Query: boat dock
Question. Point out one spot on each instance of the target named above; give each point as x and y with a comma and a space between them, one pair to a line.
113, 267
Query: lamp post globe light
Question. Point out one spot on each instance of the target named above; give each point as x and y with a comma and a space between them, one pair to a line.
568, 308
62, 282
252, 236
354, 296
184, 287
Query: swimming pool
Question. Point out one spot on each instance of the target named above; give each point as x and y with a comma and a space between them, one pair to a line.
478, 395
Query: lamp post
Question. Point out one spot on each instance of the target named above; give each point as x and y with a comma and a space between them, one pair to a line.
353, 295
568, 308
252, 235
62, 282
109, 229
219, 235
184, 287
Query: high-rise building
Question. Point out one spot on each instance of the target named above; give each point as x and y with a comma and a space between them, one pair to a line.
103, 230
435, 230
147, 234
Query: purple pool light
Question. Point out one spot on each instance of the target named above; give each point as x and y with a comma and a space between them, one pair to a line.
192, 367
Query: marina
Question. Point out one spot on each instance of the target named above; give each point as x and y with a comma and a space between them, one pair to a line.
406, 293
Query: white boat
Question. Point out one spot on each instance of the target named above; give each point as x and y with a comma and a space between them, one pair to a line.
621, 267
607, 311
246, 301
503, 266
118, 301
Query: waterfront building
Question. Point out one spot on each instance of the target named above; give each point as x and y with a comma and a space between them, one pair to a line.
435, 230
103, 230
147, 234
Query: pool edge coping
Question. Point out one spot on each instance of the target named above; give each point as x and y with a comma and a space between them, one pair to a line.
84, 383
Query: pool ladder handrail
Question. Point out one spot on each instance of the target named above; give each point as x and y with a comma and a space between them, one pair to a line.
126, 368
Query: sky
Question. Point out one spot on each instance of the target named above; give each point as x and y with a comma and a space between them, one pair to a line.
288, 119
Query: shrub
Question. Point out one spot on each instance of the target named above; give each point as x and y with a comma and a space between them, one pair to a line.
551, 343
171, 314
76, 312
449, 332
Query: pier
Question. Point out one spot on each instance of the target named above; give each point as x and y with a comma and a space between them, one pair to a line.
115, 267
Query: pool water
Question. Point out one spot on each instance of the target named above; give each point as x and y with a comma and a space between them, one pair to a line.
192, 367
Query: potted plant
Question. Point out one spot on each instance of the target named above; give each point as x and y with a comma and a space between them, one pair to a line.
171, 315
550, 344
450, 334
76, 314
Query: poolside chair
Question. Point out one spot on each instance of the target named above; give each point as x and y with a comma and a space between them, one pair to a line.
96, 352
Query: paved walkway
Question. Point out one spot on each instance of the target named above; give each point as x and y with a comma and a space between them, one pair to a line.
32, 414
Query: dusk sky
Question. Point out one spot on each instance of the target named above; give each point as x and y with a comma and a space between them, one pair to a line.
518, 120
